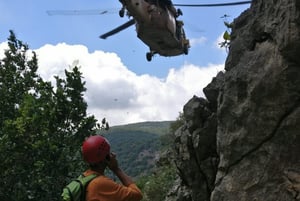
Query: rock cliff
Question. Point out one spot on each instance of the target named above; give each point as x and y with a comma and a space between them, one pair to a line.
242, 142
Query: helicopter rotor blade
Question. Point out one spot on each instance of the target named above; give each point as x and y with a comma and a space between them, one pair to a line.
118, 29
214, 4
79, 12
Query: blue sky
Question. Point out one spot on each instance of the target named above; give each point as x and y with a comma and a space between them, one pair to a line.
124, 53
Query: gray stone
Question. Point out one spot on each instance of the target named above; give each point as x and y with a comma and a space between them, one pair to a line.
242, 143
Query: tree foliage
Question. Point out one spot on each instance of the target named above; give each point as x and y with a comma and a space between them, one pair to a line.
227, 34
155, 187
41, 127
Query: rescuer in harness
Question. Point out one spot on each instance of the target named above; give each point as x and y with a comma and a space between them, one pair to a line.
96, 152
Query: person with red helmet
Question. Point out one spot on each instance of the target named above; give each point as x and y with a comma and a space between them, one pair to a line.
96, 152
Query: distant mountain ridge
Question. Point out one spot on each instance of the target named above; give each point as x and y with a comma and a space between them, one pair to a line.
156, 127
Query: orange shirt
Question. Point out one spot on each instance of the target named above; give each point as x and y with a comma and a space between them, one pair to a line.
103, 188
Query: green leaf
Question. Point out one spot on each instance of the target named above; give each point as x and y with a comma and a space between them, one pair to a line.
226, 36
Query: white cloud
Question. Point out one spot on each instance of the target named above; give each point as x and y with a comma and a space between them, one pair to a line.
115, 92
197, 41
3, 47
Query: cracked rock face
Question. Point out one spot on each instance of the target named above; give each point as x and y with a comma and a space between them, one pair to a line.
243, 142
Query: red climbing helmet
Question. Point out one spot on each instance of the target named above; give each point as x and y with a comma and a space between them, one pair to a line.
95, 148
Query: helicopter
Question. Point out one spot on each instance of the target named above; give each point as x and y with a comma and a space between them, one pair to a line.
156, 25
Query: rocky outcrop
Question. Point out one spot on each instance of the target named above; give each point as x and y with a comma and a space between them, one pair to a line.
242, 142
195, 146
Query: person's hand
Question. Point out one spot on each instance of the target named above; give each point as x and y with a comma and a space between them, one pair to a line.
113, 163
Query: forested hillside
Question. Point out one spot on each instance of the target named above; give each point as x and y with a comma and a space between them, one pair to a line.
137, 145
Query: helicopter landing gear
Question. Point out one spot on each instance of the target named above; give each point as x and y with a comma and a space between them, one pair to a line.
149, 56
185, 49
122, 12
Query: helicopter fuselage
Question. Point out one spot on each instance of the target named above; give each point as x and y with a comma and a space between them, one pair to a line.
158, 28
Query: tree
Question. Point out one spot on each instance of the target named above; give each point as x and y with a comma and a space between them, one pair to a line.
41, 127
17, 76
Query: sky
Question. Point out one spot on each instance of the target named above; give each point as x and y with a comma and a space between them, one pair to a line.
122, 85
